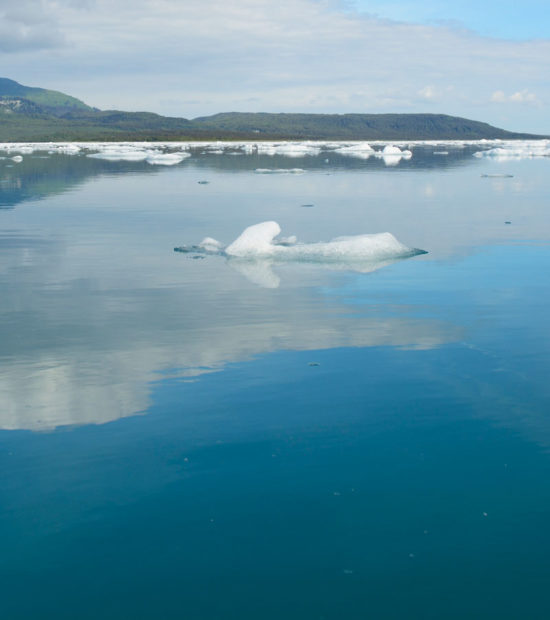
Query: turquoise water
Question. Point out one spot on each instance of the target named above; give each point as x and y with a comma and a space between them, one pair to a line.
179, 441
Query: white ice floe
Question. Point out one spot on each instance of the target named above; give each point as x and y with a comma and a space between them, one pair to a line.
279, 171
133, 153
257, 249
294, 149
166, 159
121, 154
391, 154
211, 245
361, 150
24, 149
17, 159
518, 149
260, 240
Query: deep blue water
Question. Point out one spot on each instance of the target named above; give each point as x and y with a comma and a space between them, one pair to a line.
180, 442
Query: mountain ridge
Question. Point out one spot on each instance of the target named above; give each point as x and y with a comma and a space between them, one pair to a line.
42, 115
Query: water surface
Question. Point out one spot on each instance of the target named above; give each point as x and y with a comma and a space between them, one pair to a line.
182, 438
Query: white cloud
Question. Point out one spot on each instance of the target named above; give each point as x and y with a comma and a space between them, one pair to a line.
428, 92
294, 55
28, 25
521, 96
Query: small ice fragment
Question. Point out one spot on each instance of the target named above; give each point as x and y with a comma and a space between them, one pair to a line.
337, 493
348, 571
210, 245
485, 514
279, 171
314, 364
17, 159
411, 555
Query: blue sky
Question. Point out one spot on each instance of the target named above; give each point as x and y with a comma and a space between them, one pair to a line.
508, 19
487, 61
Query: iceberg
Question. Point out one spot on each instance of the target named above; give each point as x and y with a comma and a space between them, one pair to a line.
258, 247
259, 241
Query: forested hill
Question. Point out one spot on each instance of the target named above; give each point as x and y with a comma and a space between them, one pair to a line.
38, 114
355, 126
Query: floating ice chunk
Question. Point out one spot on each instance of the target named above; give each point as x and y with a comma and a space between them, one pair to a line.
497, 176
257, 249
121, 154
166, 159
66, 149
17, 159
518, 149
392, 155
279, 171
360, 151
211, 245
389, 149
288, 149
259, 241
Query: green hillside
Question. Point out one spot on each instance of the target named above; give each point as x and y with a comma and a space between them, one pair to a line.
52, 100
37, 114
355, 126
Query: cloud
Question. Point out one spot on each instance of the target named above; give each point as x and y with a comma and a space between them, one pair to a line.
253, 55
523, 96
428, 92
28, 26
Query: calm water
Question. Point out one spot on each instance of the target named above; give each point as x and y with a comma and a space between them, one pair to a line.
194, 438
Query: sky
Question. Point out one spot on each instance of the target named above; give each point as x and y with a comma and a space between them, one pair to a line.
486, 61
